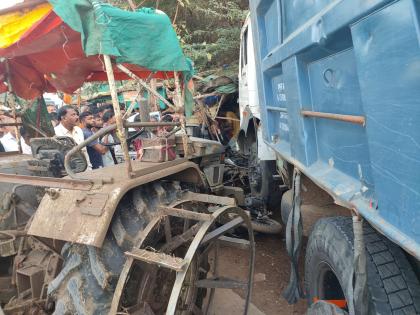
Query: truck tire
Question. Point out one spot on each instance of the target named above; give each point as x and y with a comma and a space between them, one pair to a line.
286, 205
87, 281
393, 287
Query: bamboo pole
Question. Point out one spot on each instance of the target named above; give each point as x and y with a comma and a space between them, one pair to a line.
142, 83
132, 5
152, 99
118, 116
13, 105
178, 95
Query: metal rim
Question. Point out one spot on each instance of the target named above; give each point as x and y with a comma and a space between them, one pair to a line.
206, 234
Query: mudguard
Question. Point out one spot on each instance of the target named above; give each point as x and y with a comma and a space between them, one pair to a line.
84, 216
247, 117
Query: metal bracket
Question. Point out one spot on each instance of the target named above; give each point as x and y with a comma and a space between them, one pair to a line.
92, 204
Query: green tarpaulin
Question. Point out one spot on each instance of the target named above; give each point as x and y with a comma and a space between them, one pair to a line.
145, 38
37, 115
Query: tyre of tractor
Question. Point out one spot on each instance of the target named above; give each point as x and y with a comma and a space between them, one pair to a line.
266, 225
87, 281
392, 286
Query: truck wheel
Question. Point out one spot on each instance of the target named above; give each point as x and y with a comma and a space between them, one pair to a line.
393, 287
286, 205
87, 281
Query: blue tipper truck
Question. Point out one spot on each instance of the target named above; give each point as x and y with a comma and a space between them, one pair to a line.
339, 89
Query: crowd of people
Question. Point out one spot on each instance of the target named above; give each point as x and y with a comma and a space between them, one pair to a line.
80, 126
69, 122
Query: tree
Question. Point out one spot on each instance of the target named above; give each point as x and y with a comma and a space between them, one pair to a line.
209, 30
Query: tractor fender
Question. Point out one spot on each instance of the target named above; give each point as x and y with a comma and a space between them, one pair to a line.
84, 217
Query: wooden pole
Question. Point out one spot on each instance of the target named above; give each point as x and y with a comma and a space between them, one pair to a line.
142, 83
152, 98
118, 116
178, 95
13, 105
132, 5
144, 110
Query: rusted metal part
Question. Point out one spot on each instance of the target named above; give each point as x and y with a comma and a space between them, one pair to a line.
92, 203
198, 231
118, 117
218, 200
197, 242
186, 214
36, 264
102, 132
221, 283
222, 230
235, 192
360, 120
160, 259
142, 83
50, 182
235, 242
181, 239
128, 265
52, 217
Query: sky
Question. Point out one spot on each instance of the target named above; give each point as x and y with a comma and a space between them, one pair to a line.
8, 3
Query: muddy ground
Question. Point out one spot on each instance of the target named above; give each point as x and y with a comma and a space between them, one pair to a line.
272, 270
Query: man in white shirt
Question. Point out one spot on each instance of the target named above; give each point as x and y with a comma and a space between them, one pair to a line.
9, 140
68, 119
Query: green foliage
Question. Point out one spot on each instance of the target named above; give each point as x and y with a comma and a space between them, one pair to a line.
209, 30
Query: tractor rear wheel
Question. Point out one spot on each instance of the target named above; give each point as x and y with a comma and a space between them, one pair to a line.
155, 258
89, 276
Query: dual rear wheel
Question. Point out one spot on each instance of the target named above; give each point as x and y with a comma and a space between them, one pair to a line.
392, 285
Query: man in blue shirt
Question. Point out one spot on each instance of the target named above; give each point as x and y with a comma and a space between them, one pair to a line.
95, 149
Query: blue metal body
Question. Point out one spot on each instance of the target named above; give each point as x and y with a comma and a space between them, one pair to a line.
351, 57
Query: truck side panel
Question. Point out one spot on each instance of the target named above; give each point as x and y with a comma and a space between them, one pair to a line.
355, 58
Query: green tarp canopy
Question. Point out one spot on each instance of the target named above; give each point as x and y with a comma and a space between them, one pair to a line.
145, 38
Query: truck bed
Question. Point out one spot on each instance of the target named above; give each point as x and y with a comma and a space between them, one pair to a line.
361, 60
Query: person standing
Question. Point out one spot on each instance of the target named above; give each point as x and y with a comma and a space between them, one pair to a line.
109, 158
95, 150
9, 141
68, 119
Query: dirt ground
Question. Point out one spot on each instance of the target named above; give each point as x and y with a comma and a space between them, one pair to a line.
272, 270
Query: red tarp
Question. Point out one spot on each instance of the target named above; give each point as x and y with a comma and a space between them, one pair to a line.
49, 57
